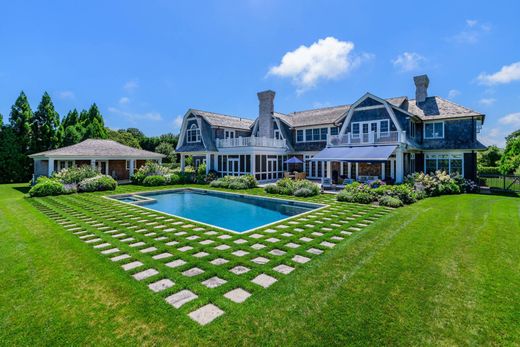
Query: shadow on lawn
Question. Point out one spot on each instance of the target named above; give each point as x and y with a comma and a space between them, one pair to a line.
23, 190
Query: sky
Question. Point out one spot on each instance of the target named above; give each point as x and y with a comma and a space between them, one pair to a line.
145, 63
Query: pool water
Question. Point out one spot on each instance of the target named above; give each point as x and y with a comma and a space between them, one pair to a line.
229, 211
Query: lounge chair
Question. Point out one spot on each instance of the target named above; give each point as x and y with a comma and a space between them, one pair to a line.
326, 183
345, 182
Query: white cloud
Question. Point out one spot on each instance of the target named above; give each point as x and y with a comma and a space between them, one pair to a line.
66, 95
131, 85
487, 101
325, 59
471, 33
493, 136
507, 74
408, 61
512, 119
132, 116
453, 93
124, 100
177, 122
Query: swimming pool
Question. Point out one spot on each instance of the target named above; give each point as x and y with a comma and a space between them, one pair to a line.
234, 212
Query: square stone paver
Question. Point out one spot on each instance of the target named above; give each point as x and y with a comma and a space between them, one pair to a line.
206, 314
300, 259
305, 239
175, 263
264, 280
336, 238
277, 252
316, 233
240, 253
222, 247
219, 261
272, 239
239, 270
194, 237
283, 269
314, 251
145, 274
206, 242
110, 251
237, 295
102, 245
327, 244
171, 243
185, 249
201, 255
258, 246
132, 265
120, 257
224, 237
214, 282
240, 241
137, 244
161, 285
162, 256
148, 250
287, 234
194, 271
292, 245
180, 298
256, 236
260, 260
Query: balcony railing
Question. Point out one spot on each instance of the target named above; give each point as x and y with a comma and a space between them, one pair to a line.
368, 138
251, 142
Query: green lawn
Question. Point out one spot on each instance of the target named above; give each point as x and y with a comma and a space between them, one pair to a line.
444, 271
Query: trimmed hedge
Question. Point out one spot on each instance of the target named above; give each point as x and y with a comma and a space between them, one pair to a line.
286, 186
235, 182
47, 187
98, 183
154, 180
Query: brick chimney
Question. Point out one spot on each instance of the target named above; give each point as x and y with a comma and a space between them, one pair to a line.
421, 88
265, 114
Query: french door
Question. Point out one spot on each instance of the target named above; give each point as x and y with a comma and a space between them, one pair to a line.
272, 168
234, 167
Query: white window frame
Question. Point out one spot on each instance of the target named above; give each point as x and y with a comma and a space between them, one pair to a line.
278, 134
369, 125
434, 136
303, 136
193, 128
412, 126
312, 135
229, 134
451, 156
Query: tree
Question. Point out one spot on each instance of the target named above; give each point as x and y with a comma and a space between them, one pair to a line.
510, 161
490, 157
93, 124
168, 150
138, 134
71, 128
20, 120
123, 137
44, 126
15, 164
1, 121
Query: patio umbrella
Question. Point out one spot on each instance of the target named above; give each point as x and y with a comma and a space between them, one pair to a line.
293, 160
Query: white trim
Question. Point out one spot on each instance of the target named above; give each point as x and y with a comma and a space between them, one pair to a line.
366, 108
304, 129
193, 128
449, 154
434, 137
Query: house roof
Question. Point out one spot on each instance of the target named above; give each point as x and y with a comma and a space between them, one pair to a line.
222, 120
435, 107
96, 148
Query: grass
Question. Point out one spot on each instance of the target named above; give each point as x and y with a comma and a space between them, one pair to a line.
444, 271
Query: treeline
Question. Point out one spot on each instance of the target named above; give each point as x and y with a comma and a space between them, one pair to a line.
26, 132
501, 161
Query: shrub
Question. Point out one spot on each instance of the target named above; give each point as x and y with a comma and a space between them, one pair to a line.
98, 183
201, 170
439, 183
211, 176
390, 201
155, 180
488, 170
75, 174
235, 182
237, 185
403, 192
272, 189
304, 192
47, 187
360, 197
151, 168
286, 186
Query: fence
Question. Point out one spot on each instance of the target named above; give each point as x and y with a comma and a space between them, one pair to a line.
509, 183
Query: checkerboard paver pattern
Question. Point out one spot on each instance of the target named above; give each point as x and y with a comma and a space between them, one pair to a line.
203, 271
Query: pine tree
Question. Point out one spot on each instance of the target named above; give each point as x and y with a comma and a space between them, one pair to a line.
1, 121
15, 164
93, 124
45, 125
20, 121
71, 129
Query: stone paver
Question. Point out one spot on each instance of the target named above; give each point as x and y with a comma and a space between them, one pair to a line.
175, 263
132, 265
201, 254
206, 242
161, 285
162, 256
219, 261
185, 249
277, 252
314, 251
305, 239
272, 239
222, 247
180, 298
264, 280
110, 251
300, 259
258, 246
148, 250
145, 274
240, 253
120, 257
214, 282
137, 244
237, 295
327, 244
194, 271
206, 314
239, 270
260, 260
284, 269
292, 245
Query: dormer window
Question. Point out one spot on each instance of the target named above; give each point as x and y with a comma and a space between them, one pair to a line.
434, 130
193, 134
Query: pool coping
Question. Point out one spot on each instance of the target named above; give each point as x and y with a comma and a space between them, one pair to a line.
165, 191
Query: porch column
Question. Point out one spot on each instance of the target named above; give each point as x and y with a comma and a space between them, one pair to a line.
93, 163
253, 164
399, 163
50, 168
131, 167
208, 162
329, 169
341, 168
357, 170
383, 171
349, 168
215, 162
323, 163
392, 174
182, 162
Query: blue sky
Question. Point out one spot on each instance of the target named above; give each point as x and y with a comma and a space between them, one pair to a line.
146, 62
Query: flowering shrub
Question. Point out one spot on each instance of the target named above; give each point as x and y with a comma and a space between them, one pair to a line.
390, 201
439, 183
75, 174
235, 182
97, 183
286, 186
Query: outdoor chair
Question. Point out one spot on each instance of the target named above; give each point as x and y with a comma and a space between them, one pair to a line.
326, 183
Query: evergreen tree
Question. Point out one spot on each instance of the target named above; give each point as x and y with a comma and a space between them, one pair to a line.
93, 124
1, 121
71, 129
45, 125
15, 164
20, 120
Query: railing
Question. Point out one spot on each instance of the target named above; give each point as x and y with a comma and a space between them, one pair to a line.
505, 183
367, 138
251, 142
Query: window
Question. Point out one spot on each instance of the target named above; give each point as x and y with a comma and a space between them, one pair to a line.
355, 129
308, 134
411, 125
434, 130
315, 134
384, 128
334, 131
193, 134
299, 135
277, 134
229, 134
451, 163
324, 132
478, 125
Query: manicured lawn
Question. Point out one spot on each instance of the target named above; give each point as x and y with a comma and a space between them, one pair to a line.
443, 271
